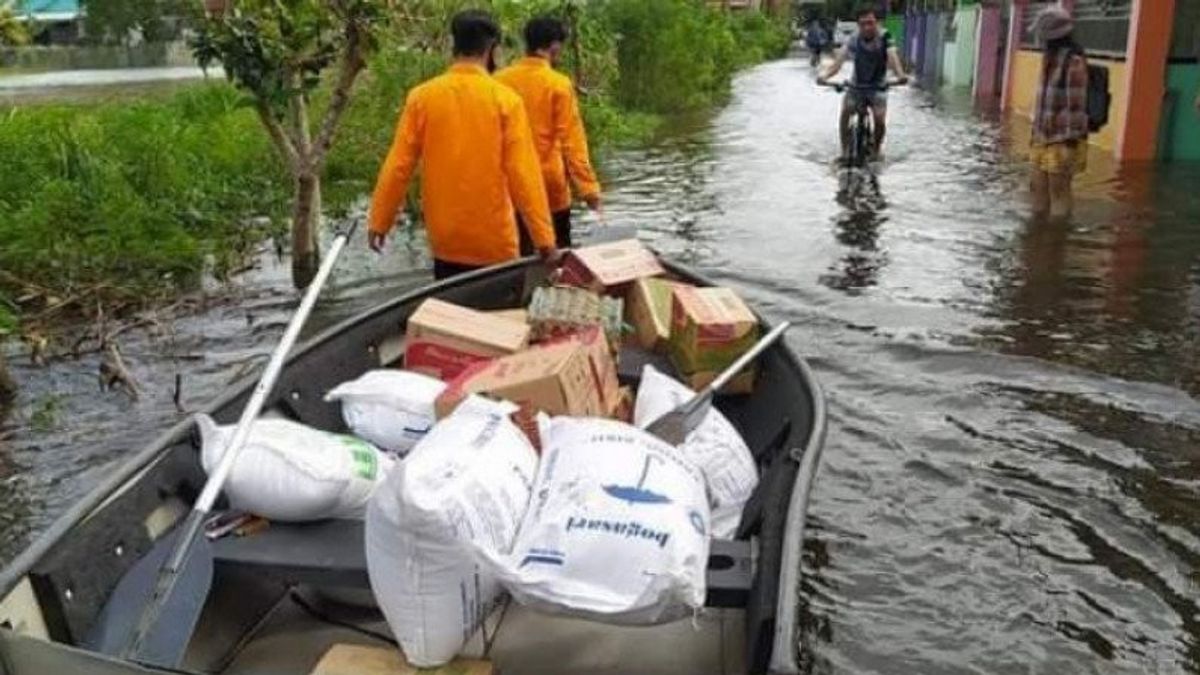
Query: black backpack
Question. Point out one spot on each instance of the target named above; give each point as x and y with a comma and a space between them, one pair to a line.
1099, 98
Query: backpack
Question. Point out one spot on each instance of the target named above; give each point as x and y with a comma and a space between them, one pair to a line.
1099, 98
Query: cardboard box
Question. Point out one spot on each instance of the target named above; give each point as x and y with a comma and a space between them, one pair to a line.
518, 315
443, 339
609, 268
648, 311
623, 410
557, 311
710, 328
574, 375
362, 660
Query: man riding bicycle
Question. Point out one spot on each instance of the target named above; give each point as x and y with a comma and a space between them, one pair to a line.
873, 54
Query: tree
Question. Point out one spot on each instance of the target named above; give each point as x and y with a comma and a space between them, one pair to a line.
109, 22
12, 32
277, 50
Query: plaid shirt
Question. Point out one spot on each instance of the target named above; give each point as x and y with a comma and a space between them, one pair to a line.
1061, 113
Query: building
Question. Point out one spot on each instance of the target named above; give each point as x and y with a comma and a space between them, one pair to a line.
56, 21
1151, 49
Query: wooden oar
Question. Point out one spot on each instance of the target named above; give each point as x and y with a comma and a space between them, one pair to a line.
153, 623
675, 425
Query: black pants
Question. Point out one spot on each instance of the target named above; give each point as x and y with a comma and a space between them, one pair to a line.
562, 231
445, 270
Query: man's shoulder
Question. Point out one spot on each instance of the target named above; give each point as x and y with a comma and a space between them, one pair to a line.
560, 81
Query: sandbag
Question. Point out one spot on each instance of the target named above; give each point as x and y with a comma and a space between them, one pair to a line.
617, 531
464, 487
388, 407
294, 473
715, 447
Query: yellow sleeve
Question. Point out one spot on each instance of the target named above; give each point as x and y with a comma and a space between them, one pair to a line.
568, 125
523, 172
392, 185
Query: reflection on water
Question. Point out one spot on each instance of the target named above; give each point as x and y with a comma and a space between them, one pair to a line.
1012, 476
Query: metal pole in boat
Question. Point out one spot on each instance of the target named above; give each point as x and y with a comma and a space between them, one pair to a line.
161, 642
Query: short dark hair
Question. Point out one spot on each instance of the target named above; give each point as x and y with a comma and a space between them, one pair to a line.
865, 10
544, 31
475, 31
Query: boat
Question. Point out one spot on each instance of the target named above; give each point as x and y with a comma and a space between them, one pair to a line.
281, 598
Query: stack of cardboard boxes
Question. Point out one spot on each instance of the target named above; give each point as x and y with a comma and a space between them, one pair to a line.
559, 357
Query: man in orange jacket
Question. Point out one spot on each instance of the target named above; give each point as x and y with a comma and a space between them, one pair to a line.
471, 137
557, 125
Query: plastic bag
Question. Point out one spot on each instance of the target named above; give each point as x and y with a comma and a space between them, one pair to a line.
715, 447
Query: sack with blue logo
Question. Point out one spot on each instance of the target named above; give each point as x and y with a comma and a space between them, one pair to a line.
617, 530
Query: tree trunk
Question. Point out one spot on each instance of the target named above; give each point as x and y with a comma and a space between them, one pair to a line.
306, 218
8, 389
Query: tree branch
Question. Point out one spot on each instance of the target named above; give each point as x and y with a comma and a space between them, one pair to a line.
279, 136
352, 64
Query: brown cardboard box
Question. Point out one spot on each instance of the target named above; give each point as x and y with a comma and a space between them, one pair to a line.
362, 660
574, 375
609, 268
518, 315
443, 339
710, 328
648, 310
623, 410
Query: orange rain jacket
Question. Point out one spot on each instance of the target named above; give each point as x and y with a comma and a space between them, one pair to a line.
557, 128
471, 137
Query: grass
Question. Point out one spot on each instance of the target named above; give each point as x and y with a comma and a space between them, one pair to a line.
132, 201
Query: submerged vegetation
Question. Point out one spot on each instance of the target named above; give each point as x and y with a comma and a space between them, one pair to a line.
123, 204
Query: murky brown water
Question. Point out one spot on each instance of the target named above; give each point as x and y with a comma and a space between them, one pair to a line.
1011, 480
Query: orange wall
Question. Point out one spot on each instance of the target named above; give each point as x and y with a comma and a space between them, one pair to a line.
1027, 66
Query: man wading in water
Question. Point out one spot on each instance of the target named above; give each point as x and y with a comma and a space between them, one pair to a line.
471, 137
1060, 122
557, 125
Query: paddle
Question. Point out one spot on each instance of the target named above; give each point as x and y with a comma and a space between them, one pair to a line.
674, 426
167, 611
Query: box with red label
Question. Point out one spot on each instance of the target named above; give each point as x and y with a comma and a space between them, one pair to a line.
710, 329
574, 375
444, 339
648, 311
609, 268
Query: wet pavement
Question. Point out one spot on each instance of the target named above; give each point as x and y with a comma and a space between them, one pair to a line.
1011, 479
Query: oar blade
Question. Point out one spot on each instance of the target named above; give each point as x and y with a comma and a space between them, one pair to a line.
167, 640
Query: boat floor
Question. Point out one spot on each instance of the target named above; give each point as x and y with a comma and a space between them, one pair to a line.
522, 642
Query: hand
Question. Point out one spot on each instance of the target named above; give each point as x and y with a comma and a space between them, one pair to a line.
593, 202
376, 240
550, 256
902, 80
822, 80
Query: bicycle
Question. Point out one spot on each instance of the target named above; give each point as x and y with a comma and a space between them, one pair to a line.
862, 132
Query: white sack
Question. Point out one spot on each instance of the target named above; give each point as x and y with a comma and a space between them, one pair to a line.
617, 530
388, 407
715, 446
291, 472
465, 486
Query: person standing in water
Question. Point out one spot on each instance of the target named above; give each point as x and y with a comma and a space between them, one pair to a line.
1058, 151
470, 136
557, 126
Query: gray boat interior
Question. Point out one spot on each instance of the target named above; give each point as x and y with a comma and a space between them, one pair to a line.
281, 598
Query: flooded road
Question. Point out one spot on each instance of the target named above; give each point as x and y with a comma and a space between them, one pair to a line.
1012, 478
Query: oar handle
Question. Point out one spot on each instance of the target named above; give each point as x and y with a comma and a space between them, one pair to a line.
216, 480
745, 359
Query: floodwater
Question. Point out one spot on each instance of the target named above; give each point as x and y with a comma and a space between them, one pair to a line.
85, 83
1011, 479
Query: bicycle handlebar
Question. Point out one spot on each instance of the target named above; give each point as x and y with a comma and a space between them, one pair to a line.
843, 86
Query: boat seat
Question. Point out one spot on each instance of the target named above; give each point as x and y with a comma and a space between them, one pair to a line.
331, 554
